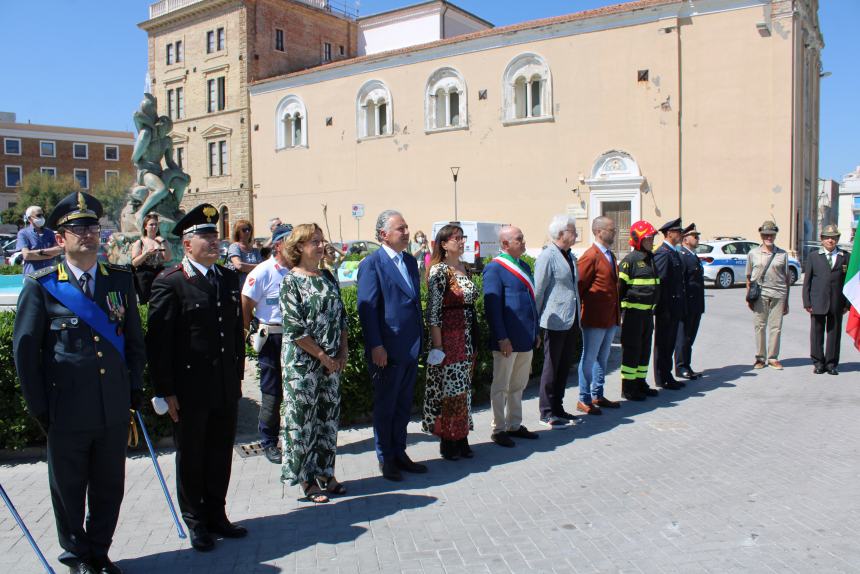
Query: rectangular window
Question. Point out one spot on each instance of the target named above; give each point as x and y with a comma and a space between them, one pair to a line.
81, 151
83, 177
112, 152
180, 51
341, 50
210, 42
222, 93
52, 171
218, 158
169, 54
13, 175
222, 39
180, 156
47, 149
210, 96
12, 146
111, 174
180, 103
326, 52
279, 40
170, 108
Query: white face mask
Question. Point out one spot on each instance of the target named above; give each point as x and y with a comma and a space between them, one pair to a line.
39, 221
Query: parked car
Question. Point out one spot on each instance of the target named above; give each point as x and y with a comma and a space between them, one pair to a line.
725, 261
358, 246
10, 253
481, 237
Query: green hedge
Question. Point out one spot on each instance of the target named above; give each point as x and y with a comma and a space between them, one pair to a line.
17, 429
11, 269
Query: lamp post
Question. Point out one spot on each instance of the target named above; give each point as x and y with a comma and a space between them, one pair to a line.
454, 172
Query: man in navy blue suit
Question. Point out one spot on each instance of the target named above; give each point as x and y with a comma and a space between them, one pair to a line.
694, 292
509, 302
389, 309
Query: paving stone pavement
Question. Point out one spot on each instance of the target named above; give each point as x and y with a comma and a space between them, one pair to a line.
742, 471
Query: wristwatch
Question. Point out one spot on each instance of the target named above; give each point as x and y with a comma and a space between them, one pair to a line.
41, 252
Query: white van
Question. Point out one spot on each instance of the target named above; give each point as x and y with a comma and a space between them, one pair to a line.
482, 239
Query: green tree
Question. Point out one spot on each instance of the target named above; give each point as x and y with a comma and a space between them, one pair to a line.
42, 190
113, 194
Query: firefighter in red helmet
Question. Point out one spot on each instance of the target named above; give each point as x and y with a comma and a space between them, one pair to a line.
638, 289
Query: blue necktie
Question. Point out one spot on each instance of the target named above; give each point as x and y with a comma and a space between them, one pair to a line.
401, 266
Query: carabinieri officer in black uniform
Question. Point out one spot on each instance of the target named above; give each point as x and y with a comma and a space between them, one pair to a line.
197, 359
80, 356
671, 307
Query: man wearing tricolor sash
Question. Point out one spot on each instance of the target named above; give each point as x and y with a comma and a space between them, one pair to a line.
509, 302
79, 353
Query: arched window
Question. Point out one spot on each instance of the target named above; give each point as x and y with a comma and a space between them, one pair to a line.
445, 101
291, 123
224, 220
373, 110
527, 89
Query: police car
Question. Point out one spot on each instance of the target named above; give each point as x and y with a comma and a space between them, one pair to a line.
725, 261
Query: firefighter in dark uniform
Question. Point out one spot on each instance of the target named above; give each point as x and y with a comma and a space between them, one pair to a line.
79, 353
638, 289
694, 296
197, 360
671, 304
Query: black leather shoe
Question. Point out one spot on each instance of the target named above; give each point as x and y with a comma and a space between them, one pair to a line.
81, 567
105, 566
696, 374
681, 384
502, 439
389, 471
671, 385
201, 540
405, 463
687, 375
523, 432
633, 396
448, 449
819, 370
273, 454
833, 371
227, 529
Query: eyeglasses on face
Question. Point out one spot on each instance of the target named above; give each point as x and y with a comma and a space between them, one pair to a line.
82, 230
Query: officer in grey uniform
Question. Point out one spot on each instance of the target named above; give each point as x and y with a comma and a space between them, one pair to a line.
80, 355
197, 360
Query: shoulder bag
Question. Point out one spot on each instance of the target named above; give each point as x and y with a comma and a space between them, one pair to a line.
754, 292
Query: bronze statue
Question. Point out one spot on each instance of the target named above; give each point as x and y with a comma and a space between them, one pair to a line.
158, 189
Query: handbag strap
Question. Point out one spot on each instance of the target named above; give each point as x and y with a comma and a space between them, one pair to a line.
766, 266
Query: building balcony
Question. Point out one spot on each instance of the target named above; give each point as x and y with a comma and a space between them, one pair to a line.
339, 7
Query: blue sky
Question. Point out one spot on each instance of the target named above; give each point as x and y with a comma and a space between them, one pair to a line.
83, 62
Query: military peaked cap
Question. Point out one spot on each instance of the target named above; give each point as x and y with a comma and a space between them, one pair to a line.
201, 219
77, 208
674, 225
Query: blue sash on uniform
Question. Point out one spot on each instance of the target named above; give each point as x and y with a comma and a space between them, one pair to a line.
85, 308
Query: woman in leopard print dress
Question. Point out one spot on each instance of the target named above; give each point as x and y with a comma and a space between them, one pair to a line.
451, 309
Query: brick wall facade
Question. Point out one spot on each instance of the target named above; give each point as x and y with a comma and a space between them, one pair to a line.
247, 55
63, 162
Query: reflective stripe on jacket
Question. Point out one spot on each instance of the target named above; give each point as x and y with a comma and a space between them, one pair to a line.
638, 284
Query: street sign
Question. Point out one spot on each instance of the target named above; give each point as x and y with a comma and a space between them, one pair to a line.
357, 210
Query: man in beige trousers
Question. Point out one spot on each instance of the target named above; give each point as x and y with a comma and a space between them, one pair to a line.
768, 266
509, 302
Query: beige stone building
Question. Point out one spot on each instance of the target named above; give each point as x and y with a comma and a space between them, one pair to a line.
650, 109
202, 56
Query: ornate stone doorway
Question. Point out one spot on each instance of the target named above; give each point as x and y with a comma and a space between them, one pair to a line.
616, 186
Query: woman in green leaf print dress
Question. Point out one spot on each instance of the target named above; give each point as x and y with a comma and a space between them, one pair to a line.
313, 355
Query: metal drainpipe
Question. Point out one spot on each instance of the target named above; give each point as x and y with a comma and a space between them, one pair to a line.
794, 39
442, 21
